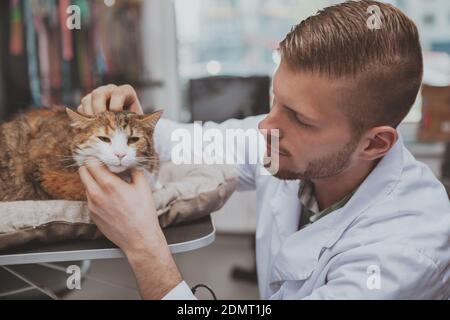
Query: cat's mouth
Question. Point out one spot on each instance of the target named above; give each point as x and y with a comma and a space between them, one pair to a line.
117, 169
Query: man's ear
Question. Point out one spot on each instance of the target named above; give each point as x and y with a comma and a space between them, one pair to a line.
378, 141
149, 121
79, 121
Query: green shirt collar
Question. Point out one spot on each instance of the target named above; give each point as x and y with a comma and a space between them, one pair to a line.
310, 206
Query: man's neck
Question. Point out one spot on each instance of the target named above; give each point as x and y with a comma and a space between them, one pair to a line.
330, 190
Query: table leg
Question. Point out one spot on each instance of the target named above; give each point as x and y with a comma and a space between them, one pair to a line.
49, 293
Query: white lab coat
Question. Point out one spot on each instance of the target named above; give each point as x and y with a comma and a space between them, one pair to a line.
390, 241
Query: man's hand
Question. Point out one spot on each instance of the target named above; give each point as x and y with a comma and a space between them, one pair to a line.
111, 97
126, 214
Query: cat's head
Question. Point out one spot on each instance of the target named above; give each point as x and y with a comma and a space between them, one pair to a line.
121, 140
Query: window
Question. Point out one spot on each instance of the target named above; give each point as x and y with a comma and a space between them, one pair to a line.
232, 37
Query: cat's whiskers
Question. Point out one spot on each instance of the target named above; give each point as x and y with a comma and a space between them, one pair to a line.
147, 157
147, 162
93, 161
64, 157
73, 165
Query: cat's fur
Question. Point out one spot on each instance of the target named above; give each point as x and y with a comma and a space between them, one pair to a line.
41, 150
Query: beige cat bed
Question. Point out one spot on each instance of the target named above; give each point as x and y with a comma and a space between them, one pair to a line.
188, 193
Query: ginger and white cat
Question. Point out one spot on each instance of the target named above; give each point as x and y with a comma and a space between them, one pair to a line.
41, 150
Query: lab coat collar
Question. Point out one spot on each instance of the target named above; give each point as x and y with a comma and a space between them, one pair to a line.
301, 250
377, 186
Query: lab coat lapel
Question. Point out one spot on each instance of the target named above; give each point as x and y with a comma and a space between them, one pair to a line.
285, 207
300, 251
377, 186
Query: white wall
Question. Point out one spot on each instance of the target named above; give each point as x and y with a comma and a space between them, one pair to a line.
238, 215
160, 56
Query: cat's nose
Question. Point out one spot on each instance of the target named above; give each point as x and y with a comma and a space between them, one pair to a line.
120, 155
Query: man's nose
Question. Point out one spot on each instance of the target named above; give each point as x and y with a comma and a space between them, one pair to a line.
268, 125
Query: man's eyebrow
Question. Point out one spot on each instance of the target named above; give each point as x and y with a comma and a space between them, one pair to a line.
302, 115
294, 110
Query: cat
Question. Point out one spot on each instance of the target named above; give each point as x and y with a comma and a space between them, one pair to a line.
41, 150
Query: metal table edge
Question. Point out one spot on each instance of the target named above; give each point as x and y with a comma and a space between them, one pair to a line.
98, 254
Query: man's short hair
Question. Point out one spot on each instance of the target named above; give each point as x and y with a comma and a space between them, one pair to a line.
383, 61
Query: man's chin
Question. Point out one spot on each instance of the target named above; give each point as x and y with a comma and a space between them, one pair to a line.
275, 168
287, 175
284, 174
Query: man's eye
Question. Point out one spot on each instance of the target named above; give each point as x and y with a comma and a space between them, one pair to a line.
133, 140
302, 123
105, 139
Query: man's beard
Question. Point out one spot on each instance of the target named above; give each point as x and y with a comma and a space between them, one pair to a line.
325, 167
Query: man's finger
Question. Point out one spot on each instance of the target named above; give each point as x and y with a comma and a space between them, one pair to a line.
100, 97
94, 211
103, 177
88, 181
136, 108
131, 100
86, 102
117, 101
138, 177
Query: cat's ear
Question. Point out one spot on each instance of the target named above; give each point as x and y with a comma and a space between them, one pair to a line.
150, 120
79, 121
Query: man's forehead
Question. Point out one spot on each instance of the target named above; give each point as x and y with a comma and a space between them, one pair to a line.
309, 93
289, 90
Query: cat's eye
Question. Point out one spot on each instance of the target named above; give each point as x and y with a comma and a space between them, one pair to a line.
105, 139
133, 140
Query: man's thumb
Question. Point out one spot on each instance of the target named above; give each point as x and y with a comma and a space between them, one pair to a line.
138, 176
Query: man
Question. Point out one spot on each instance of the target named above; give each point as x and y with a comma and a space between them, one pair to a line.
350, 213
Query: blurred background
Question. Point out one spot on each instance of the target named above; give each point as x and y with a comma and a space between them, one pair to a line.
197, 60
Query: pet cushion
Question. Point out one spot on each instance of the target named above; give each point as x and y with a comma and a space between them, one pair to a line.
188, 192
